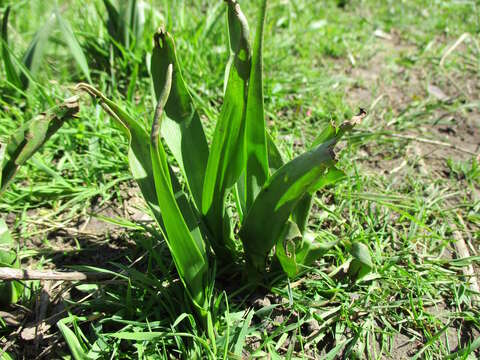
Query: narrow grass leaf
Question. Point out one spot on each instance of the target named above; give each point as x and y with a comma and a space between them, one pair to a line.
10, 71
36, 49
72, 341
73, 44
256, 169
240, 343
181, 129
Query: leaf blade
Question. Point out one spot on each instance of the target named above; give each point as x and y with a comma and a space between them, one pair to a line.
73, 44
226, 158
256, 168
181, 129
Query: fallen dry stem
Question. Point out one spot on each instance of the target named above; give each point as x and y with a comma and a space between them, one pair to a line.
26, 274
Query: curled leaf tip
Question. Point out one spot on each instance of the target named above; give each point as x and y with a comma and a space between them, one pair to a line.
162, 100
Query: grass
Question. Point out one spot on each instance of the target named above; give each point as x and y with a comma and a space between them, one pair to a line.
407, 200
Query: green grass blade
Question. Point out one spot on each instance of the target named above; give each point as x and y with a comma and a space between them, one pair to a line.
190, 258
11, 73
3, 150
73, 44
26, 141
240, 343
72, 341
113, 22
36, 49
225, 162
256, 170
181, 129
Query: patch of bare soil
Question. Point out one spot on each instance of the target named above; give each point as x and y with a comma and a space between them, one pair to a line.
84, 240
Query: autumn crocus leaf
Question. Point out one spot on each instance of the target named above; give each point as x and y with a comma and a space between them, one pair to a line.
181, 129
270, 211
29, 139
295, 249
189, 254
226, 158
139, 156
256, 169
302, 210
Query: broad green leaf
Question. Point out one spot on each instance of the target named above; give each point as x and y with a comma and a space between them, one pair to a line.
6, 240
283, 191
226, 158
11, 73
302, 210
26, 141
362, 261
36, 49
295, 251
280, 195
189, 256
256, 170
181, 129
73, 44
139, 150
275, 157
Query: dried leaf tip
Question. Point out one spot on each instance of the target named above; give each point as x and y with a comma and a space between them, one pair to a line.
159, 34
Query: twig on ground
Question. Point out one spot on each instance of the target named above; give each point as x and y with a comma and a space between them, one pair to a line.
26, 274
462, 252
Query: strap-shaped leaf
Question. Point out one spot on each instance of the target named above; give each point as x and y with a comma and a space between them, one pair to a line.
11, 73
36, 49
266, 219
301, 213
295, 251
189, 256
181, 129
256, 170
140, 160
226, 158
72, 42
26, 141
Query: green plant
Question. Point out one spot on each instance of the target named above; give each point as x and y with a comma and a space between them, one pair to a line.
30, 138
19, 73
272, 199
125, 23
